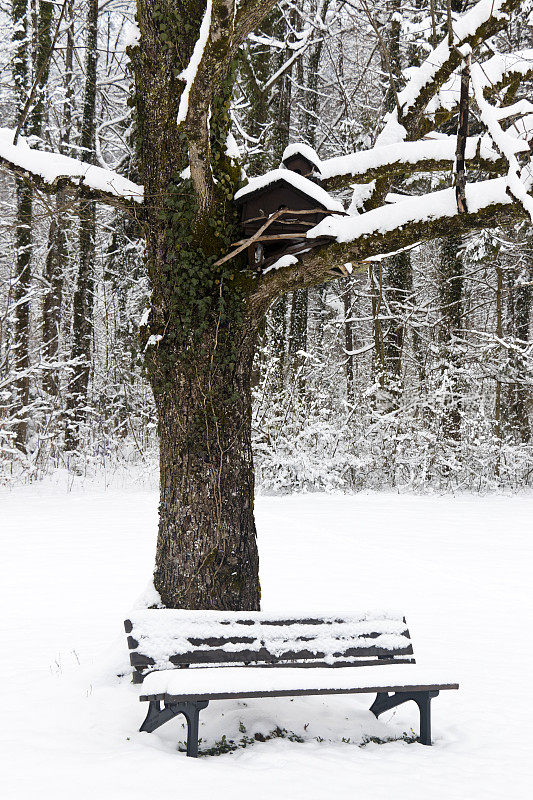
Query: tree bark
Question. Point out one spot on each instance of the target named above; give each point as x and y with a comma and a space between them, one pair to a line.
21, 297
348, 342
518, 404
298, 334
399, 284
499, 334
57, 253
54, 268
206, 550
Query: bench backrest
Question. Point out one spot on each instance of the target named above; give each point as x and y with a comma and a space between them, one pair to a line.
165, 639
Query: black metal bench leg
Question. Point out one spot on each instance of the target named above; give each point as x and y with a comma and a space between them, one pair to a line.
191, 712
157, 716
385, 702
380, 704
192, 717
424, 705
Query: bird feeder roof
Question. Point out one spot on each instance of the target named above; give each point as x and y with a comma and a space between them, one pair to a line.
306, 152
277, 177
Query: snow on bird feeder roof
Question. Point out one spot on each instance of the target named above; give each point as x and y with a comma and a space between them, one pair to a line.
294, 154
292, 179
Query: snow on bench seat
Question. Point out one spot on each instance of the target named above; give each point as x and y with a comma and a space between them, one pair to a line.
227, 682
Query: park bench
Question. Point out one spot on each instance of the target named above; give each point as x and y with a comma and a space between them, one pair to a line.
251, 654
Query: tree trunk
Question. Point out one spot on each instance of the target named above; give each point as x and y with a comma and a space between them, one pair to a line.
21, 297
57, 253
198, 341
23, 237
399, 286
207, 551
298, 334
278, 344
518, 406
82, 325
348, 342
451, 279
499, 335
375, 274
54, 268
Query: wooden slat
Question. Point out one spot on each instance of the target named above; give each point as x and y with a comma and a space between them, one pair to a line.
220, 656
146, 669
219, 641
140, 660
299, 692
293, 621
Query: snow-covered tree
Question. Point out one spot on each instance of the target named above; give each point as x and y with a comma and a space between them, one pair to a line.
207, 304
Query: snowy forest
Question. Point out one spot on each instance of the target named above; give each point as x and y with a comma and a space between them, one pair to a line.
410, 372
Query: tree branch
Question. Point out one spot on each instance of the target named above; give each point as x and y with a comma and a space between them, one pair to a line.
485, 19
406, 158
248, 18
52, 172
386, 231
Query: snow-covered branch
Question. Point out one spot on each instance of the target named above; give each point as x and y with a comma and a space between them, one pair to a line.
473, 28
411, 211
52, 171
518, 180
383, 231
428, 155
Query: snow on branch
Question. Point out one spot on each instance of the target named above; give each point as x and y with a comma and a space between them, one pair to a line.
503, 68
485, 19
424, 208
49, 171
189, 73
425, 156
518, 180
303, 43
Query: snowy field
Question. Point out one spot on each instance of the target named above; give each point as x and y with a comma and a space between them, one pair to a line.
73, 564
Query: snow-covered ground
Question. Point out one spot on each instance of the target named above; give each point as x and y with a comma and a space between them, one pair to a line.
72, 565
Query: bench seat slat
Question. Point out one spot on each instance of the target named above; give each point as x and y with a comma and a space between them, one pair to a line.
228, 682
167, 698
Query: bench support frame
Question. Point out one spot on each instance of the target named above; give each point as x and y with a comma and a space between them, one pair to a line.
157, 716
385, 701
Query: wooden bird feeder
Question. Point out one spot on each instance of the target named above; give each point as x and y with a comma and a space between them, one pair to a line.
277, 209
